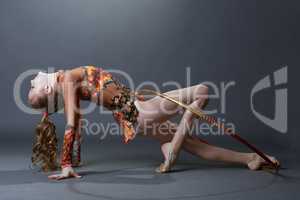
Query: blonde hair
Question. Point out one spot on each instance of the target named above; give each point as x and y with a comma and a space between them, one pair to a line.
44, 150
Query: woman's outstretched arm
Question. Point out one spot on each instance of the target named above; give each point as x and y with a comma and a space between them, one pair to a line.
71, 110
76, 159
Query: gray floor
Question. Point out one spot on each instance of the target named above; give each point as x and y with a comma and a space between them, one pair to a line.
114, 170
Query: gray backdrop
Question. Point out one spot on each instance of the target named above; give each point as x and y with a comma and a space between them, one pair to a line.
153, 40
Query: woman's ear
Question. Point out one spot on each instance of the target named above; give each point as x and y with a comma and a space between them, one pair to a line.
48, 89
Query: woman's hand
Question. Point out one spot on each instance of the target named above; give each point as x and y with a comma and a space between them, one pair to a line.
67, 172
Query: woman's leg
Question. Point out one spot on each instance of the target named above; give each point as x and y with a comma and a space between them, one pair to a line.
209, 152
195, 146
174, 146
158, 110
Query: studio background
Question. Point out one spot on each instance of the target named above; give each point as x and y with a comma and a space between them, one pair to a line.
241, 41
155, 41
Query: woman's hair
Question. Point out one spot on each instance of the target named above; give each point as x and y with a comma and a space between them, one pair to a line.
44, 150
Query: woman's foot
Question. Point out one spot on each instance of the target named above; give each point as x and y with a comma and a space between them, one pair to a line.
169, 157
256, 162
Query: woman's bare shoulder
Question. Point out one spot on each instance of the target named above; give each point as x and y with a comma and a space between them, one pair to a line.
75, 74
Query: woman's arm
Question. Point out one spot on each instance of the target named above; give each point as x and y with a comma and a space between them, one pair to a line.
76, 159
71, 111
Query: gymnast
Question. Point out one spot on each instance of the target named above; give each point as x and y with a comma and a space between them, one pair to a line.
131, 111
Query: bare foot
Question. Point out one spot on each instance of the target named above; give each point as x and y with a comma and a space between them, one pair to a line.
169, 157
256, 162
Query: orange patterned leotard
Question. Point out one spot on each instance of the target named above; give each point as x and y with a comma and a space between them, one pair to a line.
121, 100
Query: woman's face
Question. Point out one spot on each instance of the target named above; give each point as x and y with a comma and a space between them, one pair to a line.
37, 94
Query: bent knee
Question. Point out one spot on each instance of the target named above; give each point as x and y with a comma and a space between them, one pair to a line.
201, 92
